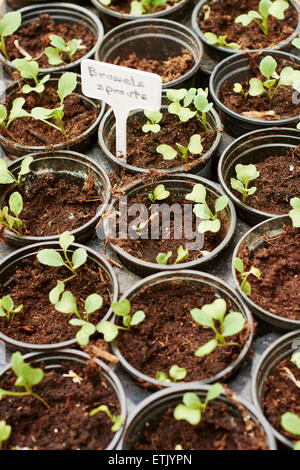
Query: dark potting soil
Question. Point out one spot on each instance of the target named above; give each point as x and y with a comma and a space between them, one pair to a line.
278, 182
169, 69
146, 247
53, 204
221, 18
34, 38
281, 395
78, 118
277, 290
260, 107
67, 425
169, 335
39, 322
123, 6
141, 146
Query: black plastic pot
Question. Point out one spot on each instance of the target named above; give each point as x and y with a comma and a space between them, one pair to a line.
255, 239
253, 147
236, 69
153, 39
281, 349
222, 290
8, 268
80, 144
182, 184
148, 413
61, 13
53, 361
113, 18
72, 166
107, 131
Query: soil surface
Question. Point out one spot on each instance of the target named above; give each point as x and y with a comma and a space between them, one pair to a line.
141, 146
278, 182
39, 322
54, 204
123, 6
221, 22
260, 107
34, 38
67, 425
169, 69
170, 336
277, 290
281, 395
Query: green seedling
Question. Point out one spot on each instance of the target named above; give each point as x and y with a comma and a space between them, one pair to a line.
295, 211
121, 309
116, 420
16, 112
295, 359
221, 41
291, 423
178, 447
51, 257
15, 205
154, 117
245, 285
8, 309
58, 47
7, 177
105, 3
244, 174
8, 26
159, 193
210, 221
191, 409
194, 147
296, 42
175, 372
266, 8
30, 70
66, 85
145, 6
230, 324
238, 88
27, 377
182, 255
162, 258
5, 432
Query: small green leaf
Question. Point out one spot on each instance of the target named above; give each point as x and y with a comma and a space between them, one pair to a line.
5, 431
65, 240
216, 309
16, 203
207, 348
192, 416
162, 376
160, 193
246, 287
137, 318
10, 22
56, 292
177, 373
66, 85
67, 303
162, 258
237, 88
239, 265
291, 423
198, 194
136, 8
267, 67
167, 151
211, 38
221, 203
202, 212
92, 303
25, 166
86, 331
192, 400
176, 95
122, 308
7, 303
79, 257
182, 255
244, 19
256, 87
233, 323
203, 318
214, 392
50, 257
278, 8
108, 329
296, 359
195, 146
295, 212
209, 226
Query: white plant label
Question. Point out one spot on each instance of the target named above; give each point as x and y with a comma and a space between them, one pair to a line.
124, 90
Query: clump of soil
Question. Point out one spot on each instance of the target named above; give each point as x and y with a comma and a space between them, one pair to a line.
39, 322
169, 69
123, 6
34, 38
221, 18
67, 425
281, 395
169, 335
277, 290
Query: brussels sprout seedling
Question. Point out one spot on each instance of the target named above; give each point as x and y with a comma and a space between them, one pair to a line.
291, 423
8, 26
244, 174
59, 46
162, 258
116, 420
266, 8
30, 70
194, 147
7, 177
182, 255
295, 212
159, 193
175, 372
8, 309
215, 40
154, 117
15, 204
16, 112
5, 432
145, 6
245, 285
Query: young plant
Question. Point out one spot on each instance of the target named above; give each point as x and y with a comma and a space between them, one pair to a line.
145, 6
295, 211
230, 324
182, 255
8, 309
8, 25
162, 258
245, 285
15, 205
27, 377
159, 193
175, 372
266, 8
154, 117
58, 47
7, 177
238, 88
244, 174
291, 423
116, 420
191, 409
16, 112
210, 221
5, 432
30, 70
194, 147
221, 41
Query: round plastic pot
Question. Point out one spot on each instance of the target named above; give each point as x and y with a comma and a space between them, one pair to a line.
74, 167
236, 69
24, 3
281, 349
152, 39
107, 132
219, 53
8, 268
81, 143
255, 239
148, 413
113, 18
54, 360
254, 148
182, 184
221, 289
61, 13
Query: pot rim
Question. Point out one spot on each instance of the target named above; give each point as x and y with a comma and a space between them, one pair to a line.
127, 16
